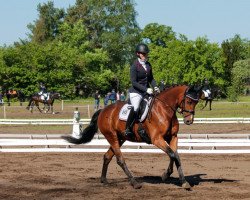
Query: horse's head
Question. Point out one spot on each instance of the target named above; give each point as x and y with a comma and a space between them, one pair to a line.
188, 103
55, 95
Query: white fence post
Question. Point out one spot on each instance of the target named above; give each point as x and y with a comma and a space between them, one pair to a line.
88, 111
76, 124
4, 112
62, 104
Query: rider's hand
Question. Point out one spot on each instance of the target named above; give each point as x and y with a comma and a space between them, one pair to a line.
150, 91
156, 89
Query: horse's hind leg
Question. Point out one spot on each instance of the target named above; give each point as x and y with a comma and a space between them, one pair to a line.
204, 105
169, 170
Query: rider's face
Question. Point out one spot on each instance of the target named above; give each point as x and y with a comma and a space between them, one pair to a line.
142, 56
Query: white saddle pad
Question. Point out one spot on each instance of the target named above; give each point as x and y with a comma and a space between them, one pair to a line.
125, 110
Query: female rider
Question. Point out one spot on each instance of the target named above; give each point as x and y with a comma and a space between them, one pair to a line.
141, 77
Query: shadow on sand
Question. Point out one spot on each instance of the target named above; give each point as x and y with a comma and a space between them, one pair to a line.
192, 179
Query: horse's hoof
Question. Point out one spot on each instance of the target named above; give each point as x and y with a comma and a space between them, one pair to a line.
186, 186
104, 181
135, 184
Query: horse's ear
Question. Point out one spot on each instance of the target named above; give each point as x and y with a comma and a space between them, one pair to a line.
191, 88
199, 88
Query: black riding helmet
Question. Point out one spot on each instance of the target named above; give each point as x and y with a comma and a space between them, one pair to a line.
142, 48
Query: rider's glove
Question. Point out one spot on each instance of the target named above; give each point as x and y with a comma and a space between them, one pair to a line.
150, 91
156, 89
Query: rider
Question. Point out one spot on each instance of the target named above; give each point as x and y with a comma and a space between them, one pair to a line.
141, 77
43, 91
206, 89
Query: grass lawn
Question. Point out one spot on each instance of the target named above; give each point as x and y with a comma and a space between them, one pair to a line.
66, 108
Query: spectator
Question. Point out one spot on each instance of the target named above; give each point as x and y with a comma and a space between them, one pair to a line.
112, 96
97, 100
106, 99
162, 85
122, 97
118, 96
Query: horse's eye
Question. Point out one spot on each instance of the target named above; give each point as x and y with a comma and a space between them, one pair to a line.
189, 102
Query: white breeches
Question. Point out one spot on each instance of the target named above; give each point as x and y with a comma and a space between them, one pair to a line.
135, 100
207, 93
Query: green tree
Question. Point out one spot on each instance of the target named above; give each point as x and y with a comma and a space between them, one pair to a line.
240, 77
234, 49
111, 25
46, 26
179, 60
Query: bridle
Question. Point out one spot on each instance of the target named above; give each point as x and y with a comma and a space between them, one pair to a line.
182, 105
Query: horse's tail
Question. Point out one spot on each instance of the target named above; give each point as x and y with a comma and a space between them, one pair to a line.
88, 133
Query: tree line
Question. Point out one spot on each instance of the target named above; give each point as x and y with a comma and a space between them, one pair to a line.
90, 46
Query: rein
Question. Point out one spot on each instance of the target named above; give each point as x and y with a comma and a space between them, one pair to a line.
181, 106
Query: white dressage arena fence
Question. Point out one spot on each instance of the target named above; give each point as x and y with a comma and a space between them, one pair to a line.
86, 121
188, 143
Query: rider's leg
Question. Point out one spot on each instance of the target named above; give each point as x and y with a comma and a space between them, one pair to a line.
135, 100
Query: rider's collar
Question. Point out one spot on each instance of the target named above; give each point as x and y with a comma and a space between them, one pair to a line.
142, 62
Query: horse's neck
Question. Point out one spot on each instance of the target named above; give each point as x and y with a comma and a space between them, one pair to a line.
173, 96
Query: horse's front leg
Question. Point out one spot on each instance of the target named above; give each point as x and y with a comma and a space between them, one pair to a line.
106, 160
115, 145
204, 105
37, 105
174, 146
171, 150
210, 104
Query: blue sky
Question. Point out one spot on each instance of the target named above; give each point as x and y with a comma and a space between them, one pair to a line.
218, 20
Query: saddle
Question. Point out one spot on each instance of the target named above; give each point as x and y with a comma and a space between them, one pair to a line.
142, 113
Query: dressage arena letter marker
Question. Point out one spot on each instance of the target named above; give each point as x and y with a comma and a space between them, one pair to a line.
76, 124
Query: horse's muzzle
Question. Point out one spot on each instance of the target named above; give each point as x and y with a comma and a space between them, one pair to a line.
188, 119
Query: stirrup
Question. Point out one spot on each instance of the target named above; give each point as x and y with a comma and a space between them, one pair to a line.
129, 133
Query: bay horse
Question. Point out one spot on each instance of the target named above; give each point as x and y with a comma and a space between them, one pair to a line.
36, 99
161, 126
15, 94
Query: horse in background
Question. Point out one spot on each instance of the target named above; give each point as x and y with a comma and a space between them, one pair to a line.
215, 94
36, 99
10, 94
159, 128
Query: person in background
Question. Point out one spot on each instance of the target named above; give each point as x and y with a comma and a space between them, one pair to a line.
106, 99
141, 77
43, 92
112, 96
206, 89
122, 97
118, 96
162, 85
97, 97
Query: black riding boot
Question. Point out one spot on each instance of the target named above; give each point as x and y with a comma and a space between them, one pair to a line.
129, 125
